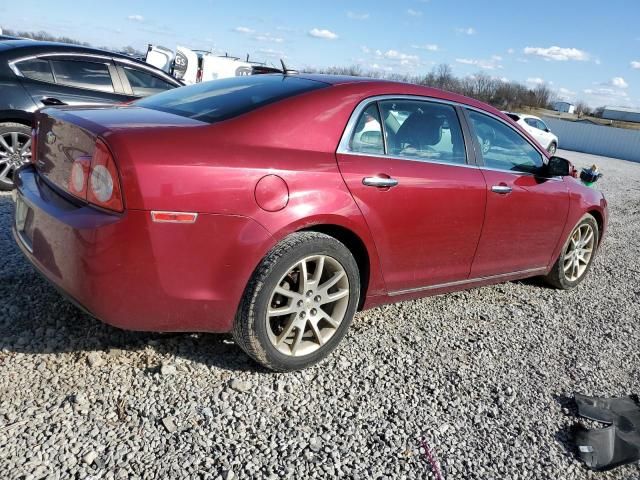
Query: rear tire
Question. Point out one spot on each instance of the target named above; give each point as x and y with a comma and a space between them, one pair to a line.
299, 302
15, 151
576, 256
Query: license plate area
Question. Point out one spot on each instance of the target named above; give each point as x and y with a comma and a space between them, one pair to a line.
24, 223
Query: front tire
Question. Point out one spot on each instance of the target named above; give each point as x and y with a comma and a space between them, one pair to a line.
552, 148
576, 256
15, 151
299, 302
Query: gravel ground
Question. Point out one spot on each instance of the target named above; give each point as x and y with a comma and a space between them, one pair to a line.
484, 375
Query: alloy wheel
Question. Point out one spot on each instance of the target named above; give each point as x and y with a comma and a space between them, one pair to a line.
579, 252
308, 305
552, 149
15, 151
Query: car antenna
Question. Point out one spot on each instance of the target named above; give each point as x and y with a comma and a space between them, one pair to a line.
285, 70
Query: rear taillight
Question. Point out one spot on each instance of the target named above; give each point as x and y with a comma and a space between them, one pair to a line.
79, 176
95, 179
103, 189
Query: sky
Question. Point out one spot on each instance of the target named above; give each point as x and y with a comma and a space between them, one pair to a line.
584, 50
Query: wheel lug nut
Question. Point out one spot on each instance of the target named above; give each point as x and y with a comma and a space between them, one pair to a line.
303, 314
313, 311
317, 298
309, 293
300, 303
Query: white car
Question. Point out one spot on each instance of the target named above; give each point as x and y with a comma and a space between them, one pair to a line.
537, 129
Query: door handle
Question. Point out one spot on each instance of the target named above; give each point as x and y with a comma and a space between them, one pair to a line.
380, 182
501, 189
51, 101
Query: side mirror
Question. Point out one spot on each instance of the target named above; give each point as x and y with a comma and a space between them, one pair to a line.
558, 167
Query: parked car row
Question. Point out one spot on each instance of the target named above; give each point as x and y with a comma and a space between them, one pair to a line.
275, 206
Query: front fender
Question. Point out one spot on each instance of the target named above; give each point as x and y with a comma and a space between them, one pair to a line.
582, 200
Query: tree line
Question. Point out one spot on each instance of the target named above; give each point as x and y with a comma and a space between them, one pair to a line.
47, 37
494, 91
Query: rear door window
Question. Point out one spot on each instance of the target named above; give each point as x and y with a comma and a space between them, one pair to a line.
144, 84
83, 74
36, 69
223, 99
423, 131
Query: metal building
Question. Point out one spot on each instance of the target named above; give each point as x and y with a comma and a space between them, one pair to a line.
565, 107
623, 114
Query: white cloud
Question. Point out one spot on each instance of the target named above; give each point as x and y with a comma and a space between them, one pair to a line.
358, 16
535, 81
618, 82
607, 96
497, 58
376, 66
431, 47
605, 91
260, 37
414, 13
267, 37
396, 55
365, 49
557, 53
511, 51
484, 64
635, 64
136, 18
270, 52
466, 31
323, 33
566, 94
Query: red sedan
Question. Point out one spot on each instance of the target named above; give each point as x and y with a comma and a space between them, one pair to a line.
275, 206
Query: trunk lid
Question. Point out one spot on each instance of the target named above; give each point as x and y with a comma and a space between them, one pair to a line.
65, 134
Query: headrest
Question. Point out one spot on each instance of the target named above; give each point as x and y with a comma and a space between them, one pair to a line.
421, 129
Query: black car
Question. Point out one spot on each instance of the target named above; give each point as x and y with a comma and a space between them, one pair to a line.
38, 74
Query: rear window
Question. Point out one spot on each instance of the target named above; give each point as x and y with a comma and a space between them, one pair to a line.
219, 100
36, 69
83, 74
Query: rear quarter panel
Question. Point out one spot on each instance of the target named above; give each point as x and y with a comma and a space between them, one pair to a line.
215, 168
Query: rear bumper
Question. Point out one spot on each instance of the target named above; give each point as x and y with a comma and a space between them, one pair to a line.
133, 273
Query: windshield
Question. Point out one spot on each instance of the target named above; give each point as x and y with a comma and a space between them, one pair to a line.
219, 100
